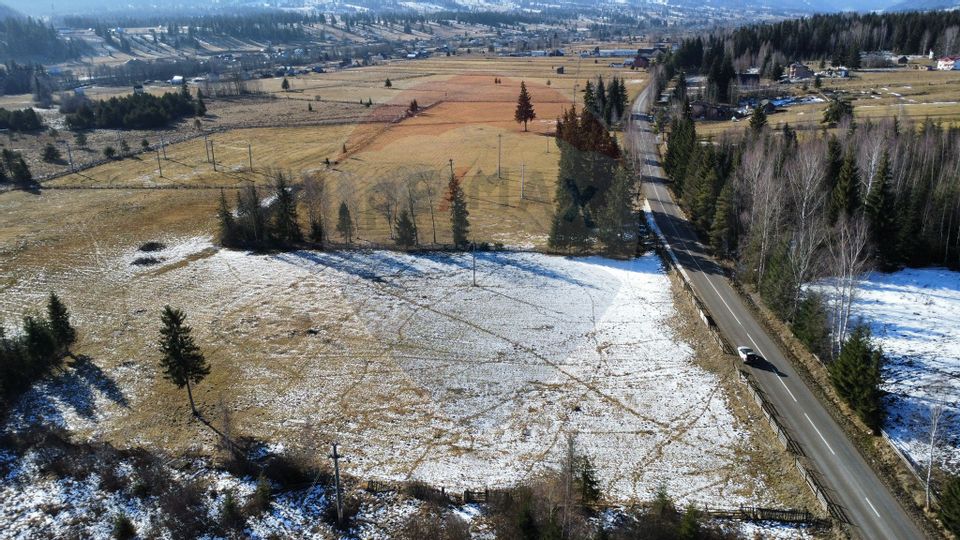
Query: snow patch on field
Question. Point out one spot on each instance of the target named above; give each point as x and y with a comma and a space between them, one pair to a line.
418, 374
914, 314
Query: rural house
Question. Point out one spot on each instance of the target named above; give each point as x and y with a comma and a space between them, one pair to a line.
948, 63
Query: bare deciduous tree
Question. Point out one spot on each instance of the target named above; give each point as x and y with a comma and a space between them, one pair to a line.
936, 414
764, 199
805, 175
384, 198
849, 259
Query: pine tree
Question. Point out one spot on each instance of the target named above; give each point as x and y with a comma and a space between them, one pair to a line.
722, 228
39, 342
285, 225
387, 83
589, 98
950, 505
617, 223
600, 100
459, 215
59, 320
587, 481
285, 85
846, 194
524, 112
228, 228
856, 374
406, 230
200, 108
345, 223
758, 119
182, 361
881, 213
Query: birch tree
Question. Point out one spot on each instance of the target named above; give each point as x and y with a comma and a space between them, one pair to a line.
805, 175
849, 256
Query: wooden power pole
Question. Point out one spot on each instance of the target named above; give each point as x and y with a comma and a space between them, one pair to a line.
336, 478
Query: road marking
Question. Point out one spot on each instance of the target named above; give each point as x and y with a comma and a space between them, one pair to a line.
871, 506
821, 435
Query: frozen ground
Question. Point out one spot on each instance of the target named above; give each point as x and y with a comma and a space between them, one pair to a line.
417, 373
915, 315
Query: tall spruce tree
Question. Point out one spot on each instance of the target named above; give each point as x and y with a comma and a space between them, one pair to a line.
589, 97
181, 361
881, 214
406, 230
856, 374
617, 222
39, 343
723, 226
459, 215
286, 227
758, 119
228, 227
524, 112
59, 320
950, 504
345, 223
846, 194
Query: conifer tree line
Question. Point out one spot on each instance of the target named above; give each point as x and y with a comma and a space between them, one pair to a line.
790, 212
20, 120
256, 223
596, 191
135, 111
838, 38
36, 348
606, 101
25, 38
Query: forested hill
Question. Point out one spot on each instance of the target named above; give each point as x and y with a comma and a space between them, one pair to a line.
7, 12
26, 39
838, 38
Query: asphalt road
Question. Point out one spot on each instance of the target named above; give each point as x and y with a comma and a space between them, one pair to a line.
872, 511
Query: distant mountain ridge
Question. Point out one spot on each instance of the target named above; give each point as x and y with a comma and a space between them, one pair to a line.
6, 12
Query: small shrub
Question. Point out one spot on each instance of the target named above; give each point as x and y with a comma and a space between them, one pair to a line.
123, 528
109, 152
262, 497
231, 517
51, 154
152, 246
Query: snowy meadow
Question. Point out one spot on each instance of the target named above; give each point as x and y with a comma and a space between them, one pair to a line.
418, 373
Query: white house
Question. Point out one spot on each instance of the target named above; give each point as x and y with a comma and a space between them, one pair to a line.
948, 63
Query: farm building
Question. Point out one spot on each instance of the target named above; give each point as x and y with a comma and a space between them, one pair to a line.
799, 71
948, 63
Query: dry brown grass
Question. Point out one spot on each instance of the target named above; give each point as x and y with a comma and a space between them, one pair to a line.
907, 94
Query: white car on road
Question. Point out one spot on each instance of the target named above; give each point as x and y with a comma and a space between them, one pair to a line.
747, 354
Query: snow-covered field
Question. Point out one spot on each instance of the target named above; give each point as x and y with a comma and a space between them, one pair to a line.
914, 314
417, 373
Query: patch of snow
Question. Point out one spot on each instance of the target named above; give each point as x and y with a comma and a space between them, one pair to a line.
913, 314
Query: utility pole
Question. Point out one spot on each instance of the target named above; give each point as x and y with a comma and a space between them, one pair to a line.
336, 478
499, 152
250, 155
69, 155
159, 165
206, 147
521, 180
451, 168
213, 157
163, 147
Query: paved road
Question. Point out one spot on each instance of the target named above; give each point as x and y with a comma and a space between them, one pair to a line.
871, 509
